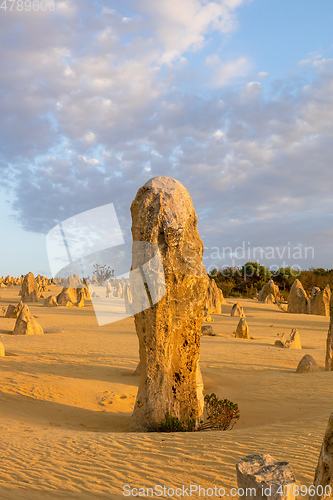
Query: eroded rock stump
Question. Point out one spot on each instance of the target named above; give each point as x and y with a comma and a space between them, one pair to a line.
164, 226
324, 470
267, 478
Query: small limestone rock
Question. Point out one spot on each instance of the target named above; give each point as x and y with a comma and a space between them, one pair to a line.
50, 301
294, 341
319, 302
109, 290
269, 293
237, 310
26, 324
208, 318
270, 299
29, 290
207, 330
73, 295
242, 330
298, 302
307, 364
266, 476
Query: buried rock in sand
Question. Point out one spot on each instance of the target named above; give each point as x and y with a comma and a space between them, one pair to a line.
26, 324
207, 317
169, 331
207, 330
50, 301
294, 341
307, 364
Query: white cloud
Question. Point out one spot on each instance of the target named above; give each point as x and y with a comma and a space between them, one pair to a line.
262, 75
219, 134
89, 137
124, 120
182, 26
66, 8
224, 73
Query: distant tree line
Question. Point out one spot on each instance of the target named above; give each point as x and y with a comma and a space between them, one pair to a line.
245, 281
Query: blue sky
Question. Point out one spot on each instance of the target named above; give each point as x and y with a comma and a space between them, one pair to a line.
234, 98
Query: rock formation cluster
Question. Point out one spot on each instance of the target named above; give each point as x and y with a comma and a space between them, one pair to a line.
317, 303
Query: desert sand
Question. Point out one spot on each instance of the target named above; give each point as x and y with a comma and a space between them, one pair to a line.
66, 400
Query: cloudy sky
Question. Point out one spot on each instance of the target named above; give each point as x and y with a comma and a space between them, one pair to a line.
234, 98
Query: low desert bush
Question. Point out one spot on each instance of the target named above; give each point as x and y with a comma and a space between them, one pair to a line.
221, 414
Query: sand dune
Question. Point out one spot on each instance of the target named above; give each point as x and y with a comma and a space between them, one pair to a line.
66, 400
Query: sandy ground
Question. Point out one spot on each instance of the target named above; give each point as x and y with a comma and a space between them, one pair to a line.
66, 399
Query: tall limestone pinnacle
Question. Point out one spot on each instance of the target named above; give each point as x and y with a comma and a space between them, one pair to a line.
164, 226
329, 341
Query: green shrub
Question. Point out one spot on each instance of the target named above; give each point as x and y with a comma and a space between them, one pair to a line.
222, 414
173, 424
